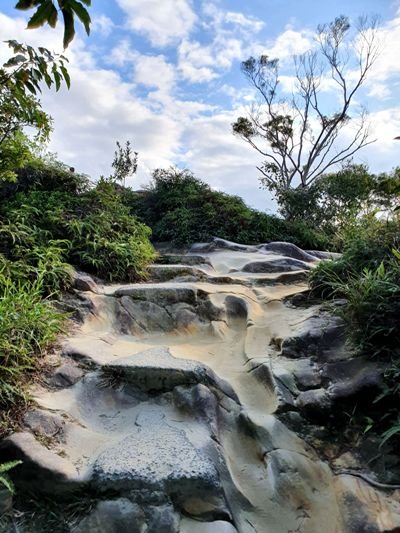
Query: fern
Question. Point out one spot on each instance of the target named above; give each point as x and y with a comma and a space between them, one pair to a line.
4, 478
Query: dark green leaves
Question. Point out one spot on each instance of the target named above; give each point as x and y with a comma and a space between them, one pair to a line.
47, 13
29, 68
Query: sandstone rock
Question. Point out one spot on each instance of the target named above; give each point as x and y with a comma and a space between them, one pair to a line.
365, 508
44, 422
175, 272
146, 316
324, 255
114, 516
276, 265
162, 519
221, 244
314, 336
54, 472
159, 294
219, 526
315, 403
159, 458
84, 282
65, 375
356, 377
157, 369
288, 250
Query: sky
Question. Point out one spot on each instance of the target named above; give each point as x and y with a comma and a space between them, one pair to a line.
165, 74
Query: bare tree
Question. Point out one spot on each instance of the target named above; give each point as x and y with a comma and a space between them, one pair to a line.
299, 136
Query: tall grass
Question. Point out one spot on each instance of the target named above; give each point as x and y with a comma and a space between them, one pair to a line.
28, 325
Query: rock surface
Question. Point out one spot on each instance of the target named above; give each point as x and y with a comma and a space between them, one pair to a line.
185, 404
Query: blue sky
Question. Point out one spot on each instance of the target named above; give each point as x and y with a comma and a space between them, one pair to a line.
166, 75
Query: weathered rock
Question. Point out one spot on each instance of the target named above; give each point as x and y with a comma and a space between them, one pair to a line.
175, 272
78, 305
356, 377
288, 250
324, 255
366, 509
161, 295
55, 473
84, 282
44, 422
315, 403
219, 526
162, 519
315, 336
146, 316
276, 265
159, 458
65, 375
221, 244
157, 369
114, 516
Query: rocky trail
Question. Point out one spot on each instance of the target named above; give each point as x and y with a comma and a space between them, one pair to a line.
172, 400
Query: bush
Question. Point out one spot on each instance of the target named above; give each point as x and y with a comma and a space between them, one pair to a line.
368, 277
90, 228
373, 309
28, 325
183, 209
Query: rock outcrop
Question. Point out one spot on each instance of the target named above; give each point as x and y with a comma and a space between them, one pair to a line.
181, 404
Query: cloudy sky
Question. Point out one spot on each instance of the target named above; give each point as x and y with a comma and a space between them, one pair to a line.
165, 74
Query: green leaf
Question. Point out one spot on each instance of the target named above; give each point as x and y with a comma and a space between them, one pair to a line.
69, 27
53, 17
57, 79
25, 4
41, 16
7, 483
82, 14
389, 434
5, 467
67, 78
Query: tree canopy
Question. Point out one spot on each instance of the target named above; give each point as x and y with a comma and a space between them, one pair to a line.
300, 135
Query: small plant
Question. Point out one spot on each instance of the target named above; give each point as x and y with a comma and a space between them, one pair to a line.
4, 478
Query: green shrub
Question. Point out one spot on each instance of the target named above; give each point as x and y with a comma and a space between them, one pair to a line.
368, 242
183, 209
91, 229
28, 325
373, 309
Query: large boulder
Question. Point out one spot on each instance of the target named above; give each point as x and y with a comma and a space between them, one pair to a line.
157, 370
157, 458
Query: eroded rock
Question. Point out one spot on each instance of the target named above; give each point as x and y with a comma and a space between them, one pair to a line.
38, 463
159, 458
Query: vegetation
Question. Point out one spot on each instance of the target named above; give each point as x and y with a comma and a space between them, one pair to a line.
50, 219
47, 13
367, 276
299, 136
4, 478
183, 209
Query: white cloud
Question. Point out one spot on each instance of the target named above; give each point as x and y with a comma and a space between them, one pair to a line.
232, 34
287, 44
380, 81
154, 71
199, 63
163, 23
103, 25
